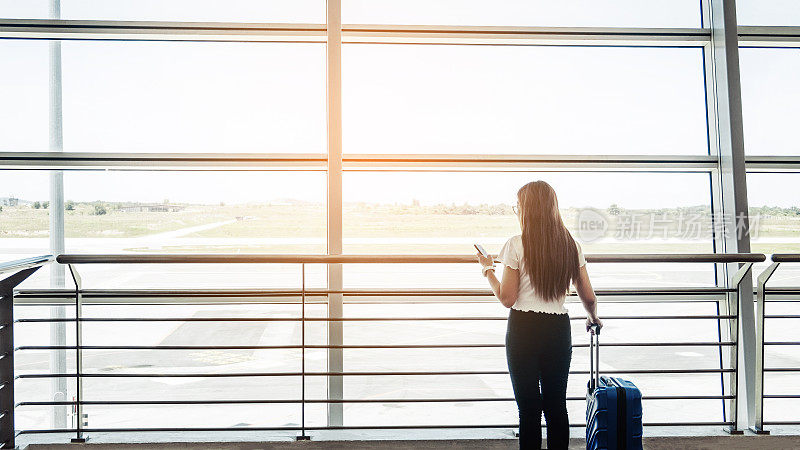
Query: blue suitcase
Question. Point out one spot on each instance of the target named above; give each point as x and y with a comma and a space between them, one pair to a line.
613, 408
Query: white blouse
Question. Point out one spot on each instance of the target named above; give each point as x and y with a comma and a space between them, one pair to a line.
511, 255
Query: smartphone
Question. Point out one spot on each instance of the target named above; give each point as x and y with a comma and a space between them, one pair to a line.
480, 249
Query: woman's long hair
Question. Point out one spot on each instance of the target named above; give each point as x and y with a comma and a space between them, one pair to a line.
550, 256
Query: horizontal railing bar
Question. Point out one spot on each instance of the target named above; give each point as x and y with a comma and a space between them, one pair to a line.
327, 374
351, 427
782, 290
768, 422
325, 401
321, 292
381, 301
354, 346
384, 259
782, 316
338, 319
782, 343
25, 263
786, 257
781, 395
782, 369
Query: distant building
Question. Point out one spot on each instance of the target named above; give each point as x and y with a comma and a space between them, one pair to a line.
150, 207
9, 201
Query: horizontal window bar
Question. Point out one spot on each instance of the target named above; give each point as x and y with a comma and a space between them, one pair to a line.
297, 374
160, 31
433, 34
356, 162
782, 369
782, 343
516, 162
403, 162
769, 36
78, 160
782, 396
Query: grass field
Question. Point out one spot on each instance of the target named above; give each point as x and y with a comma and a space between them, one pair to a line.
360, 221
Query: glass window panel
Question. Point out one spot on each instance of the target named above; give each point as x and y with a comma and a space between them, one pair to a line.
523, 99
768, 12
171, 212
24, 219
445, 213
303, 11
775, 221
575, 13
24, 90
171, 97
770, 99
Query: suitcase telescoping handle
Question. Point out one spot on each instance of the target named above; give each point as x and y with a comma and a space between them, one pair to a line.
594, 356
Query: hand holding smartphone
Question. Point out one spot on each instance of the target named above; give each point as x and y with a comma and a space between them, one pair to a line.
480, 249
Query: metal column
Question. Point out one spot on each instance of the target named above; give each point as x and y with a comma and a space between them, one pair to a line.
334, 99
58, 330
726, 132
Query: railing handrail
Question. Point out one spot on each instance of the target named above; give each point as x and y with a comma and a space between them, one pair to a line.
786, 257
25, 263
216, 258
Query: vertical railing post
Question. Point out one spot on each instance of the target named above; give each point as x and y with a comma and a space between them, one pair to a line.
758, 424
7, 285
303, 436
735, 310
78, 357
7, 364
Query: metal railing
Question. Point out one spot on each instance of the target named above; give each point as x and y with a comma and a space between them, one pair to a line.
715, 294
761, 316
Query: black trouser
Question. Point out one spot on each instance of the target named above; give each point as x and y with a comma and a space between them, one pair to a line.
539, 349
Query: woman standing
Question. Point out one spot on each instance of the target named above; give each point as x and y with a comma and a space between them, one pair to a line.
539, 266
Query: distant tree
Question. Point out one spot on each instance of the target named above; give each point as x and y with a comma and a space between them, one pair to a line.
45, 205
37, 205
1, 209
100, 210
614, 209
70, 205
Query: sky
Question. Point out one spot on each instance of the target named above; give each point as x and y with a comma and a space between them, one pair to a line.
270, 97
